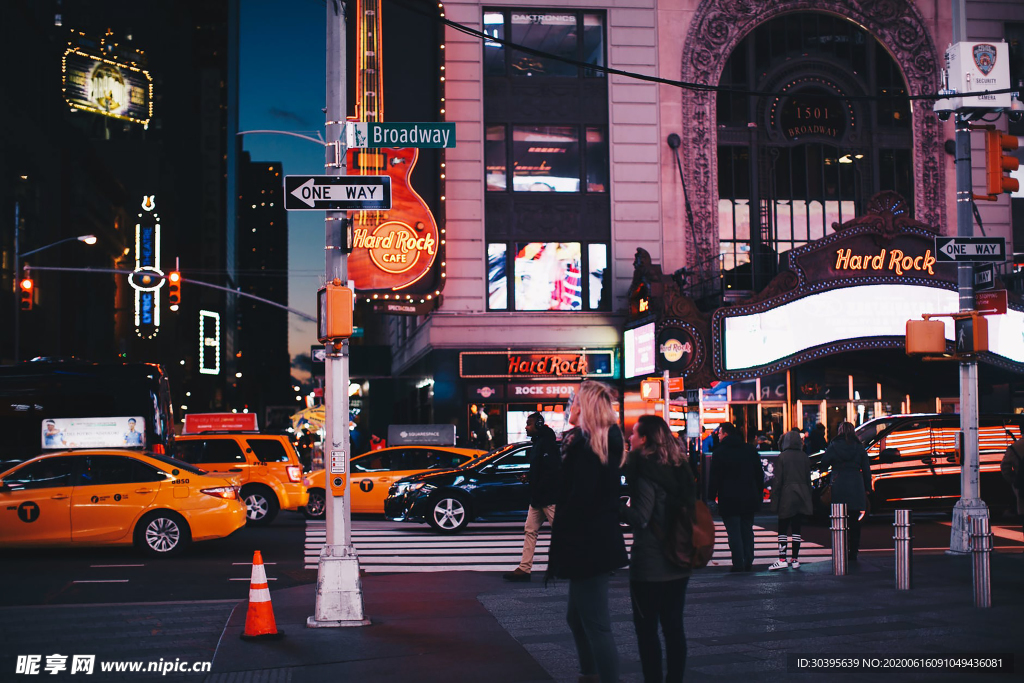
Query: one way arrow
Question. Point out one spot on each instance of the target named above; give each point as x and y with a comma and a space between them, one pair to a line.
308, 199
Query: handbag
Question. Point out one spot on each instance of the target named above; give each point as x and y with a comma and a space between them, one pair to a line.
826, 495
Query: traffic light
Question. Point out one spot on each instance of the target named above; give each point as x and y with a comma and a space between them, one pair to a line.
997, 164
27, 289
174, 289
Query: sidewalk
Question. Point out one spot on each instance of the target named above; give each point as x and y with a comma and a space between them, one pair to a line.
464, 626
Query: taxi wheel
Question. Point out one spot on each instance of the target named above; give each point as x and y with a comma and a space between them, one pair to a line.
449, 514
316, 508
162, 534
260, 505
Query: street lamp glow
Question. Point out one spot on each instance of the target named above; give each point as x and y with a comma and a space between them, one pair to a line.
88, 239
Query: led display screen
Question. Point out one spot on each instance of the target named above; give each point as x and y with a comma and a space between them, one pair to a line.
102, 86
94, 432
639, 350
835, 316
548, 276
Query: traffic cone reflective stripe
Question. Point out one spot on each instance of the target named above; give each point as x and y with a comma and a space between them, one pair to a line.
259, 619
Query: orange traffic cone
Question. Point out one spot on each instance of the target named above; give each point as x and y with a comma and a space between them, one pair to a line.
259, 620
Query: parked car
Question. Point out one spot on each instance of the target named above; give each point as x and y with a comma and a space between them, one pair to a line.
373, 473
915, 464
116, 497
266, 464
492, 488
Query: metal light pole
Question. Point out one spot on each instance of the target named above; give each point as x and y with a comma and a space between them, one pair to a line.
339, 598
970, 503
88, 239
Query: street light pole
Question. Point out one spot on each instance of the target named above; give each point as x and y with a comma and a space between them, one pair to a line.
970, 504
339, 600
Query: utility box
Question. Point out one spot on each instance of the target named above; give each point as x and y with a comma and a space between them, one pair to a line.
926, 337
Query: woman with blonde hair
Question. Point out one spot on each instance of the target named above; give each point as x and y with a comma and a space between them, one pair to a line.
586, 540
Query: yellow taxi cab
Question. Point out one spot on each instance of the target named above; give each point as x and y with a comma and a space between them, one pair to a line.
115, 497
266, 465
373, 473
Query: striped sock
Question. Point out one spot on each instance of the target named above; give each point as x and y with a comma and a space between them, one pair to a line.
796, 545
783, 543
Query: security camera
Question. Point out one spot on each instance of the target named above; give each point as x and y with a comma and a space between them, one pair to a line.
943, 115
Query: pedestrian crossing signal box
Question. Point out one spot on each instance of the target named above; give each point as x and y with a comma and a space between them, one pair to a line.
926, 337
650, 389
971, 334
334, 313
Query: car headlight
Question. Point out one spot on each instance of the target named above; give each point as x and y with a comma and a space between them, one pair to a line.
406, 486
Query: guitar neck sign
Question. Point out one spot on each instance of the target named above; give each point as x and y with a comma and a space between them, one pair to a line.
337, 193
421, 135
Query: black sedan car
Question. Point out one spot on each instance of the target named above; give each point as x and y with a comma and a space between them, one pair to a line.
489, 489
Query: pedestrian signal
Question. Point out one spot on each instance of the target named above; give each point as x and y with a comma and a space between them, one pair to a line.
650, 389
27, 289
174, 289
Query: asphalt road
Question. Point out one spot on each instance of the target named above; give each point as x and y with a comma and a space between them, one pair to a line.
220, 570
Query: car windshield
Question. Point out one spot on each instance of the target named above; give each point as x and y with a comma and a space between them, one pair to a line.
869, 431
484, 459
173, 462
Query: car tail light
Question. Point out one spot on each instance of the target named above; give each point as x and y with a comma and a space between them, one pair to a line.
226, 492
294, 472
158, 449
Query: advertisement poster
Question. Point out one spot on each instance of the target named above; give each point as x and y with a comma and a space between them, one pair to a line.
102, 86
93, 432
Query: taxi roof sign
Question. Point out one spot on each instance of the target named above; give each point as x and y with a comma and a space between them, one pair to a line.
199, 423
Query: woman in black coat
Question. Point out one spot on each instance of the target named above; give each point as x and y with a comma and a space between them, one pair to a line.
586, 541
657, 474
850, 479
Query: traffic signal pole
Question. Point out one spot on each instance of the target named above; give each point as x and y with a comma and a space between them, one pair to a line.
970, 504
339, 599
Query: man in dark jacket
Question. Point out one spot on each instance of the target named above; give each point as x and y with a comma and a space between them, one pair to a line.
737, 480
545, 461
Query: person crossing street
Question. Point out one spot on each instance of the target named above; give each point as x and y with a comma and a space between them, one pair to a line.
545, 461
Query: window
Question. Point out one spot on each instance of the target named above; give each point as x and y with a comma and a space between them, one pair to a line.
547, 158
378, 462
43, 474
213, 451
269, 450
99, 470
565, 34
548, 276
518, 461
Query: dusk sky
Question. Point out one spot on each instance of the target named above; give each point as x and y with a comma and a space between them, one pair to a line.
282, 67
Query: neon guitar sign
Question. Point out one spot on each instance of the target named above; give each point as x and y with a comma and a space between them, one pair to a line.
396, 249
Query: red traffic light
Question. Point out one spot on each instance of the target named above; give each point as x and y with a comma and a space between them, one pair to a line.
997, 163
174, 289
27, 289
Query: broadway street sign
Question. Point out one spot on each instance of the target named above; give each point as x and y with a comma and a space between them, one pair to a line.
970, 249
336, 193
422, 135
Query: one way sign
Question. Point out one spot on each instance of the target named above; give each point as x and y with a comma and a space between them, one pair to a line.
336, 193
970, 249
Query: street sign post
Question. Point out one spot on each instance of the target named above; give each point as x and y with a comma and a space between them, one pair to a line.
962, 249
337, 193
390, 134
992, 302
984, 276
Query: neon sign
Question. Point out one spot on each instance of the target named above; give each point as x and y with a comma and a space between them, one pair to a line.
146, 279
209, 343
894, 260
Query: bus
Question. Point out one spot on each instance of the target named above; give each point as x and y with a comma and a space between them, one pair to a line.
50, 405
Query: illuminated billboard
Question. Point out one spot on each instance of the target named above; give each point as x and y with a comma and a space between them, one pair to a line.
93, 432
639, 350
104, 86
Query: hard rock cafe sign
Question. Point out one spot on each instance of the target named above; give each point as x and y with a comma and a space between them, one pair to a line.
395, 248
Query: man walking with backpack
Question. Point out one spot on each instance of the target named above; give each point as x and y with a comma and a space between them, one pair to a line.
737, 480
545, 462
1012, 469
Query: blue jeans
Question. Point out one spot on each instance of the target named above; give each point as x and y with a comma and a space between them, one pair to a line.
740, 529
591, 624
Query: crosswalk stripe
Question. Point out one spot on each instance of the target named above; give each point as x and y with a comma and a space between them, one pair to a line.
492, 547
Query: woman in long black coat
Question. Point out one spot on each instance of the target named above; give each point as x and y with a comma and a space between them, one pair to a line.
586, 541
850, 479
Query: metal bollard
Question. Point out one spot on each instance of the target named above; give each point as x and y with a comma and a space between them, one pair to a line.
904, 549
840, 524
981, 546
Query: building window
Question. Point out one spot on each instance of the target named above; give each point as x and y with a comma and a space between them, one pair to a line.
547, 276
576, 36
547, 158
